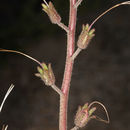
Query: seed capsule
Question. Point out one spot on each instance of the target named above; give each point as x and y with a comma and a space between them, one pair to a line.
46, 74
85, 37
83, 115
51, 12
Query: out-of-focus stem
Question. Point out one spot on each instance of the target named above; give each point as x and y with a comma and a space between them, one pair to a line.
4, 127
75, 128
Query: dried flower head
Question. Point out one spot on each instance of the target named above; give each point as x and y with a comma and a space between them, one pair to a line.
85, 114
51, 12
46, 74
85, 36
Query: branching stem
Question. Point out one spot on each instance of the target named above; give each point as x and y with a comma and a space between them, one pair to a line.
68, 67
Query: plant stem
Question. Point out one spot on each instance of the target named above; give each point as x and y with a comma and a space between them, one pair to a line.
57, 89
63, 26
78, 3
76, 53
68, 67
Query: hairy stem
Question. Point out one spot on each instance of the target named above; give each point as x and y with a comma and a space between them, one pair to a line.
68, 67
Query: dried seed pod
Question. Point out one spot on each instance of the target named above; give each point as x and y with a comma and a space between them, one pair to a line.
83, 115
46, 74
51, 12
85, 37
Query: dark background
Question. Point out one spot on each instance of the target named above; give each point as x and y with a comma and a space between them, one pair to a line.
100, 73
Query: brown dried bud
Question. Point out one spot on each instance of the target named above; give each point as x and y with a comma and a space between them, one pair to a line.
46, 74
83, 115
51, 12
85, 37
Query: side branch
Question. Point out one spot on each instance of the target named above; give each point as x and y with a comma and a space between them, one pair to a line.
76, 53
57, 90
64, 27
78, 3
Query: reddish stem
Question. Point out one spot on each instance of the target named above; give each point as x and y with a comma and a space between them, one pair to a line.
68, 67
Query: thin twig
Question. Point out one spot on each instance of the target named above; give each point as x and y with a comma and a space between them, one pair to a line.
63, 26
98, 118
126, 2
21, 53
115, 6
57, 89
76, 53
6, 95
78, 3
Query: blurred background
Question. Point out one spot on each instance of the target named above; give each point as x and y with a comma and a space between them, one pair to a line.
102, 72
